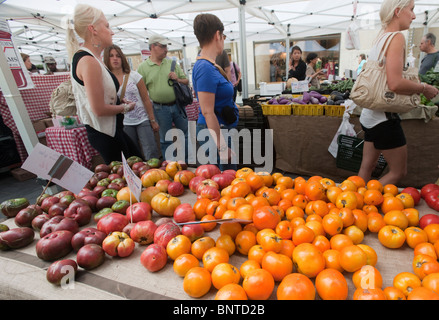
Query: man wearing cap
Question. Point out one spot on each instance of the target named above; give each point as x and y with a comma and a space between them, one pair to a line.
51, 64
156, 71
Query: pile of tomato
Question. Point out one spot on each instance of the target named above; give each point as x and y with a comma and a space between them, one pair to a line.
306, 236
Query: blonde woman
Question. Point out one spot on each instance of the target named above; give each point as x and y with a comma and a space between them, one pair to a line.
95, 87
139, 123
383, 131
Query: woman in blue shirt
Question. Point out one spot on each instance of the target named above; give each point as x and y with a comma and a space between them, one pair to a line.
214, 91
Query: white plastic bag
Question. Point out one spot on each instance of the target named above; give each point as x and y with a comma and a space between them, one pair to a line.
345, 128
352, 37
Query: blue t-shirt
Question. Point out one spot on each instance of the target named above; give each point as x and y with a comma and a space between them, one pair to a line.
207, 78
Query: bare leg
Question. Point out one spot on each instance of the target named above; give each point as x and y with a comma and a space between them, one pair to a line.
397, 162
369, 161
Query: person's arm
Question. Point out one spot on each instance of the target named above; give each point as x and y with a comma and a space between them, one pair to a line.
394, 68
90, 72
179, 75
147, 104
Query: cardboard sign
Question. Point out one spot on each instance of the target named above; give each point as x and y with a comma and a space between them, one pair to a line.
49, 164
134, 183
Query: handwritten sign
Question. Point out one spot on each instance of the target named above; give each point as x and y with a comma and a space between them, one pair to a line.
49, 164
134, 183
300, 86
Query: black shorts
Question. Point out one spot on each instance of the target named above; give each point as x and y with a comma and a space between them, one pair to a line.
386, 135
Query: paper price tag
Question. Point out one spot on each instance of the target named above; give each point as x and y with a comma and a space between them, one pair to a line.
134, 183
300, 86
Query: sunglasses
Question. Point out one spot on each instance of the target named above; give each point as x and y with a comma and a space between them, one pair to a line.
163, 46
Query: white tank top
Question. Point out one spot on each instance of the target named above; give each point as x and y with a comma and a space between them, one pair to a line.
370, 118
104, 124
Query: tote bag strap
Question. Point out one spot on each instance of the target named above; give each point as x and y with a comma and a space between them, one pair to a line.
386, 46
220, 69
125, 81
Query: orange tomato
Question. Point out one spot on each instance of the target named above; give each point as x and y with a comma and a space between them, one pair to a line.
432, 231
284, 229
332, 259
184, 263
251, 227
370, 208
219, 211
436, 247
407, 200
300, 185
208, 226
258, 284
369, 294
332, 224
214, 256
396, 218
235, 202
375, 222
391, 237
352, 258
243, 172
231, 291
177, 246
415, 236
374, 184
248, 266
255, 181
316, 226
339, 241
284, 204
390, 188
355, 234
422, 293
318, 207
332, 193
296, 286
431, 282
293, 212
276, 175
360, 219
322, 243
272, 196
226, 242
268, 178
300, 201
277, 264
271, 242
346, 199
346, 216
391, 203
244, 241
266, 217
288, 182
201, 245
371, 254
241, 189
297, 221
256, 253
258, 202
244, 212
230, 228
200, 207
412, 215
368, 277
314, 190
327, 183
279, 188
302, 234
308, 259
348, 185
359, 181
287, 248
331, 285
373, 197
223, 274
197, 282
425, 248
406, 282
394, 294
424, 265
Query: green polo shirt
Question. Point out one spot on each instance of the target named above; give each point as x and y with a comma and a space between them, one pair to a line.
156, 79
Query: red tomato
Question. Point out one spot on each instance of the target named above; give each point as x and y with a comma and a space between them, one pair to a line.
428, 219
432, 199
427, 188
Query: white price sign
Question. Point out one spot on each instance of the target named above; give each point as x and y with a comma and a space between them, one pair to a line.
134, 183
300, 86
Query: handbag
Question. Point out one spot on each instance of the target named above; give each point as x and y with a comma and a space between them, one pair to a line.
370, 90
183, 93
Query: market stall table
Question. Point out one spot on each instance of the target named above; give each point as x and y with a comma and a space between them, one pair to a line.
301, 144
36, 101
72, 143
22, 274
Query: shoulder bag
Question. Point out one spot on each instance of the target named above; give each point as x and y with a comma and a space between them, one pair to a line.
183, 93
371, 91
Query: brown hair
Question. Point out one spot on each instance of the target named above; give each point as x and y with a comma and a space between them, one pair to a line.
205, 27
125, 65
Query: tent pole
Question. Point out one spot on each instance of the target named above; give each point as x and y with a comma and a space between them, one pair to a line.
287, 49
243, 47
16, 105
185, 67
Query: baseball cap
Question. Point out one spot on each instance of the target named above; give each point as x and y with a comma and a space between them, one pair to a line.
156, 38
49, 59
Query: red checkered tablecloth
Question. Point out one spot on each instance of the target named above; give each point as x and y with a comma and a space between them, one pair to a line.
72, 143
36, 101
